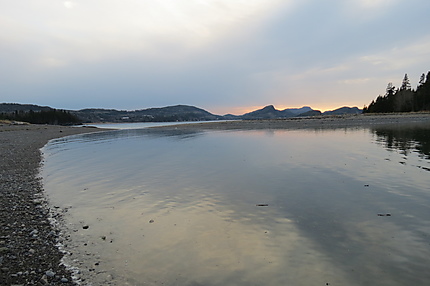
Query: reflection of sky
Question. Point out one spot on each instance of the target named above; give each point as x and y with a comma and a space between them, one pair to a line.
201, 190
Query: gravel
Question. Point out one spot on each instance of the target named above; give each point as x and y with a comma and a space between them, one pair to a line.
315, 122
28, 255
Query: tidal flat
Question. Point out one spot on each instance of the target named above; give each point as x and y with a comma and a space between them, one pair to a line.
207, 205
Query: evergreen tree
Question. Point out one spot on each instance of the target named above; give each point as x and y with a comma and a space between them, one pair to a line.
422, 80
403, 99
423, 94
52, 116
406, 85
390, 89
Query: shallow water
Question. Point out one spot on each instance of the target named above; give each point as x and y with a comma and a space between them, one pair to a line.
140, 125
305, 207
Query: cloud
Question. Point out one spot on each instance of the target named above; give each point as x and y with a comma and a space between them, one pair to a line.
215, 54
404, 59
147, 26
52, 62
69, 4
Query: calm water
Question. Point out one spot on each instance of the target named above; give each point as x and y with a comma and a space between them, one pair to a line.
182, 208
139, 125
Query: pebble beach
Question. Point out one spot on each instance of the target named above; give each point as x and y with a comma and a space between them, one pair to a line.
28, 252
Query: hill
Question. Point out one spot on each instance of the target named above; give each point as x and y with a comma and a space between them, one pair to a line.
16, 107
37, 114
162, 114
269, 112
344, 110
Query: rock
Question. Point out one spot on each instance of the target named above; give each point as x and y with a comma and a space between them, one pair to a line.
50, 273
4, 249
86, 227
64, 280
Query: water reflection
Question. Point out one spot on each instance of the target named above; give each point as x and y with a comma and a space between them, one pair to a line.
167, 207
409, 139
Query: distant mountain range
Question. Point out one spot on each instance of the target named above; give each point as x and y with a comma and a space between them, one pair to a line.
176, 113
269, 112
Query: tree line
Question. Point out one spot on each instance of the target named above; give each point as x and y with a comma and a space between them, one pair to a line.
53, 117
403, 99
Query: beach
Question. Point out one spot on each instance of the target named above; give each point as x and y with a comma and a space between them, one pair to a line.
28, 255
28, 252
317, 122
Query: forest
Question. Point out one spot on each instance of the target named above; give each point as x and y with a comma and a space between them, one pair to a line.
52, 116
403, 99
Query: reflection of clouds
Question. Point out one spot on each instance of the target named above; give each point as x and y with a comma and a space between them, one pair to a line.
205, 242
201, 192
381, 246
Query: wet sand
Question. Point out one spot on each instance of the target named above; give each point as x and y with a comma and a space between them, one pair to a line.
28, 255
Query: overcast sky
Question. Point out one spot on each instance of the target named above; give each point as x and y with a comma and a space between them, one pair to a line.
226, 56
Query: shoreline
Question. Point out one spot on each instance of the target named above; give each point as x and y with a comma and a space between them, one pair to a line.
29, 254
315, 122
28, 251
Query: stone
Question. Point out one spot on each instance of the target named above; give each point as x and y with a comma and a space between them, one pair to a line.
50, 273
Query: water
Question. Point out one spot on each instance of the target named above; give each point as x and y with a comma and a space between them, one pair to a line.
344, 207
139, 125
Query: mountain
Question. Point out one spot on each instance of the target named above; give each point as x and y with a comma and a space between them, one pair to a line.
344, 110
268, 112
298, 111
310, 113
162, 114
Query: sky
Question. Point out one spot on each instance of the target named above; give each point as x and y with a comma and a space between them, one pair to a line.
225, 56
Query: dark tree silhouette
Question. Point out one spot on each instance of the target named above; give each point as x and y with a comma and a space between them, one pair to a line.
403, 99
406, 83
53, 116
422, 80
